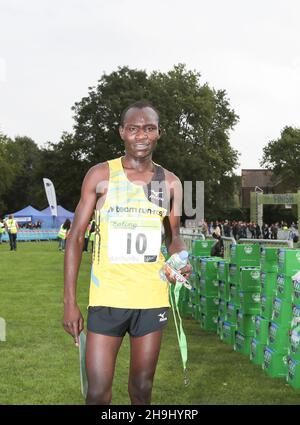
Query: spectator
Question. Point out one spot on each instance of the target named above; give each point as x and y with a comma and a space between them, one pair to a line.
217, 249
2, 229
227, 229
63, 234
12, 228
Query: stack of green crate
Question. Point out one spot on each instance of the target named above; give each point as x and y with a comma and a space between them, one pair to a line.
200, 248
293, 359
282, 314
209, 287
249, 306
243, 302
223, 292
268, 280
189, 300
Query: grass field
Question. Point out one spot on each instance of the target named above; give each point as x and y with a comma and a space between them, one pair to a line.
39, 362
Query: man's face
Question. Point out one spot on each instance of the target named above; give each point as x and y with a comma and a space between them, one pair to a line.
140, 131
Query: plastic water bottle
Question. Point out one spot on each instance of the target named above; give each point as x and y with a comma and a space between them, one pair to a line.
176, 261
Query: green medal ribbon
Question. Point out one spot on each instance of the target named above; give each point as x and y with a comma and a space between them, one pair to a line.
179, 329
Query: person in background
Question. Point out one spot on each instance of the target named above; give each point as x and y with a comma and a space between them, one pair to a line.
63, 234
87, 237
217, 250
204, 228
227, 229
2, 229
257, 231
12, 228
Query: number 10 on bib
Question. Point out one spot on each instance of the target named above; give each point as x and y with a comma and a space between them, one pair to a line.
134, 240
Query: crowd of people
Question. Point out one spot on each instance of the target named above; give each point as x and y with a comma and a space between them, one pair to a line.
244, 230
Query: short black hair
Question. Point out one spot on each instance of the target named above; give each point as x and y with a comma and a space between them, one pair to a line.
139, 105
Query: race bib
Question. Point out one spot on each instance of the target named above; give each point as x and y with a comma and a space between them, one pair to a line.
134, 240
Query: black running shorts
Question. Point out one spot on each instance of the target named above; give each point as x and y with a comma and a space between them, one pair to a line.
117, 321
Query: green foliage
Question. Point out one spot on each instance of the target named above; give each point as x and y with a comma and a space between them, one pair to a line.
6, 169
282, 156
195, 119
19, 159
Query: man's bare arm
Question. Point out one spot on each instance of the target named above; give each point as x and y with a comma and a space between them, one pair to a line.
174, 242
73, 319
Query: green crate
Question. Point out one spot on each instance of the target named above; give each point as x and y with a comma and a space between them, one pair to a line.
245, 323
219, 326
193, 298
293, 372
202, 247
250, 302
268, 283
223, 290
231, 313
274, 363
222, 308
278, 337
209, 287
294, 346
261, 329
209, 304
295, 313
250, 278
194, 279
282, 312
284, 287
245, 254
266, 306
197, 261
192, 259
269, 259
228, 332
234, 274
241, 343
196, 312
288, 261
223, 270
296, 292
256, 351
209, 322
209, 268
234, 294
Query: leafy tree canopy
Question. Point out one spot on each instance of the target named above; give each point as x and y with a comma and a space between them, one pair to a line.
282, 156
196, 122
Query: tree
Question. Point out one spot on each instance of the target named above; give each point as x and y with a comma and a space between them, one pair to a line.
22, 156
282, 156
6, 170
64, 164
196, 121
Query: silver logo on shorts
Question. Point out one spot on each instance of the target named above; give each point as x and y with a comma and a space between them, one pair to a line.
162, 317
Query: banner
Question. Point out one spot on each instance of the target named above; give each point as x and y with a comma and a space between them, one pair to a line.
51, 196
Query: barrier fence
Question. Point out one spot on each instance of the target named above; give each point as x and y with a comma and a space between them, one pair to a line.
34, 235
188, 235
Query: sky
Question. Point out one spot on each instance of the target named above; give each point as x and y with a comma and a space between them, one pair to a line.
51, 51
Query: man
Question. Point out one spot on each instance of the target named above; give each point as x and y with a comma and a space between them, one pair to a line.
132, 202
12, 228
2, 230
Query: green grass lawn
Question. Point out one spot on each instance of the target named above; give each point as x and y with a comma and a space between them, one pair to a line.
39, 362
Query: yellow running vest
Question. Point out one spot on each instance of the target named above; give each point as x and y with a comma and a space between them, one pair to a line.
126, 255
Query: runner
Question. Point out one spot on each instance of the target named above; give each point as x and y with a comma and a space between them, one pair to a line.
132, 197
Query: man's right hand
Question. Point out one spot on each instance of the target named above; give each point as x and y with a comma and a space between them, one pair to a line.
73, 321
